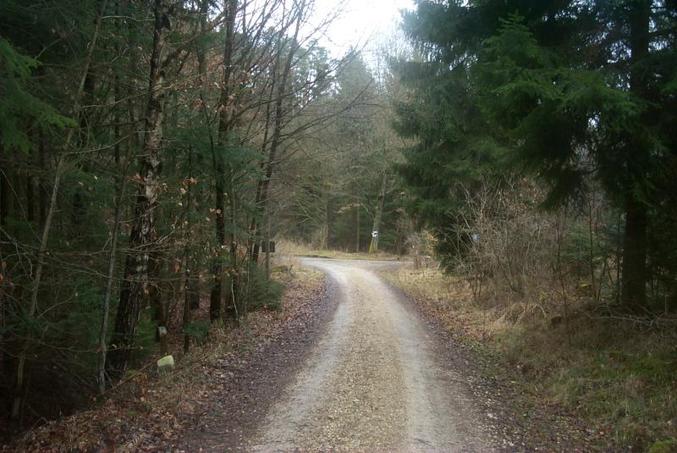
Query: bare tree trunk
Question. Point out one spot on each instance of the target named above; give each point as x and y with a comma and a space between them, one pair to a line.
267, 242
186, 303
591, 245
373, 246
225, 128
262, 199
634, 276
215, 297
110, 278
234, 265
4, 311
252, 248
135, 285
117, 218
30, 194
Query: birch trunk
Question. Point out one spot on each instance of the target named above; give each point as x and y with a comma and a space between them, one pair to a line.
135, 286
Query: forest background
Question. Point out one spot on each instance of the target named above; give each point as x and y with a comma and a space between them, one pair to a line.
151, 150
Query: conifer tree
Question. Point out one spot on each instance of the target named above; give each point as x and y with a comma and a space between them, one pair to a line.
565, 90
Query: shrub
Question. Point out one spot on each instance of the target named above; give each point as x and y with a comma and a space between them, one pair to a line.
258, 292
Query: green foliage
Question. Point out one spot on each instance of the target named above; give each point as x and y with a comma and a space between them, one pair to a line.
618, 377
258, 292
339, 184
18, 105
79, 325
541, 89
51, 63
628, 390
146, 333
664, 446
197, 330
550, 112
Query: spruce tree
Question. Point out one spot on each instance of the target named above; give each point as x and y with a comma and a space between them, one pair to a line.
565, 90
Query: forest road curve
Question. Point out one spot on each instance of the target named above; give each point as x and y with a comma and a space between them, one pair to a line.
374, 379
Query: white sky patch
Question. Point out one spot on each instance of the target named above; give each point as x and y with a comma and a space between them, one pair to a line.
361, 23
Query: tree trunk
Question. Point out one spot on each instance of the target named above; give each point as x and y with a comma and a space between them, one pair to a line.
634, 255
216, 296
373, 246
30, 197
233, 298
117, 219
263, 193
186, 261
5, 359
159, 304
135, 285
253, 244
267, 242
110, 279
225, 125
635, 240
186, 303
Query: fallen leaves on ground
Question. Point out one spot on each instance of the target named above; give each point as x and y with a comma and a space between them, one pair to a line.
147, 412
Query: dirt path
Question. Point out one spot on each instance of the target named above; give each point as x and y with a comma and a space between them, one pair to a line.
374, 379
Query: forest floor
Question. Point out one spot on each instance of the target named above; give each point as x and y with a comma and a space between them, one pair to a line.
349, 362
389, 388
228, 374
378, 375
605, 383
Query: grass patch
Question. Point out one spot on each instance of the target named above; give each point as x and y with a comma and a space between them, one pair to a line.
617, 375
291, 248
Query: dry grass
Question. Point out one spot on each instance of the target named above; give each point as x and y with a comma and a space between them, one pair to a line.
620, 376
450, 300
287, 248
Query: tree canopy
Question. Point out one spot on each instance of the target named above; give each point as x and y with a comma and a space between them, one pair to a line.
572, 92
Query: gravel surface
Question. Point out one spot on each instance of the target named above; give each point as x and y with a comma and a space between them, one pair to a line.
374, 379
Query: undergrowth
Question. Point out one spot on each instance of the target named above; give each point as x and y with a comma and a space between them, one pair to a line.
619, 375
146, 408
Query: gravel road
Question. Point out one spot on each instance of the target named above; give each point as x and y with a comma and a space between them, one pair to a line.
374, 380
